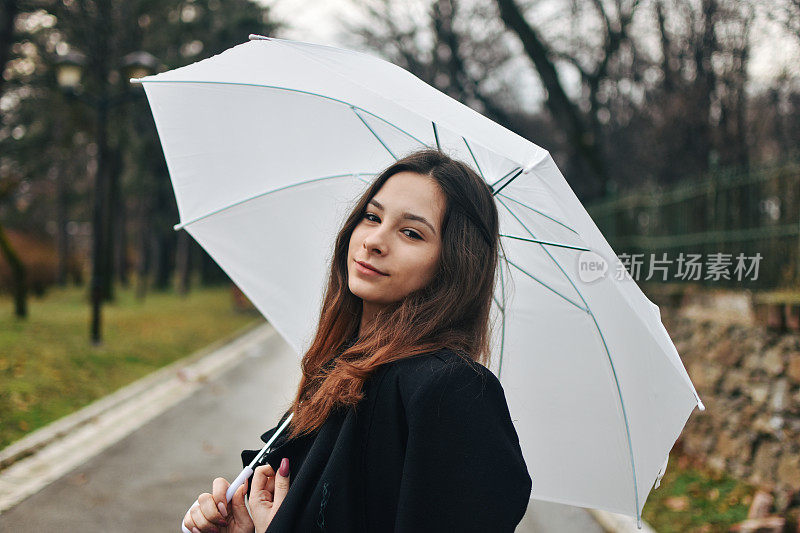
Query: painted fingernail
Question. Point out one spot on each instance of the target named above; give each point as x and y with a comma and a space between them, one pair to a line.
222, 509
195, 530
284, 468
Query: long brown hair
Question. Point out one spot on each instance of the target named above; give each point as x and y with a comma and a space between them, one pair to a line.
452, 311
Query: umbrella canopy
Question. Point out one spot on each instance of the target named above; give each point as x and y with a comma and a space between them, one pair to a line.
268, 145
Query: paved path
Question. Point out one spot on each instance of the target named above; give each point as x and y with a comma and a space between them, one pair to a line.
147, 480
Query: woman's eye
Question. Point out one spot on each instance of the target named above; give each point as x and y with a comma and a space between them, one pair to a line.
413, 234
372, 217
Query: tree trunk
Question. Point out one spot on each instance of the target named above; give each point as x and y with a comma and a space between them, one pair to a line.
704, 86
565, 113
8, 14
162, 251
143, 260
210, 271
62, 215
112, 221
121, 258
100, 229
183, 263
18, 275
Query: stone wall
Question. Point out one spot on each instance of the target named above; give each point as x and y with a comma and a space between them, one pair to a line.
748, 377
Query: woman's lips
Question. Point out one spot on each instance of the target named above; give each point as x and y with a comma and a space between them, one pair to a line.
364, 269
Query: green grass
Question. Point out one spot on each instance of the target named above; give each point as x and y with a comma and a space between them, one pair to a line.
693, 499
49, 369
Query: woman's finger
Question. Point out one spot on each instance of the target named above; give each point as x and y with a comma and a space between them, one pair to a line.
239, 509
281, 484
260, 488
219, 488
201, 523
187, 518
210, 510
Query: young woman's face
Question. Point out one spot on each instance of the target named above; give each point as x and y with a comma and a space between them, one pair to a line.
400, 236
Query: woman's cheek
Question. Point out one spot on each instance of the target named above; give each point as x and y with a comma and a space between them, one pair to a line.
430, 269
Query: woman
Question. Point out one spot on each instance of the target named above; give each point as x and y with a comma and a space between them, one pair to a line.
403, 428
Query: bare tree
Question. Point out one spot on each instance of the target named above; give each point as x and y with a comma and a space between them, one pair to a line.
697, 104
734, 32
579, 117
18, 271
10, 11
456, 46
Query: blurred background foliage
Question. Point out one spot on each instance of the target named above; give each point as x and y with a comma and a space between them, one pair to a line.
626, 94
49, 137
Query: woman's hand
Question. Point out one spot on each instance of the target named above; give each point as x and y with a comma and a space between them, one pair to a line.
215, 514
267, 493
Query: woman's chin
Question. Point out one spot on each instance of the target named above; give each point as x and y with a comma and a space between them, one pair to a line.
364, 288
355, 289
366, 294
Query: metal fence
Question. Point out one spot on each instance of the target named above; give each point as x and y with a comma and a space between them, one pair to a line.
730, 228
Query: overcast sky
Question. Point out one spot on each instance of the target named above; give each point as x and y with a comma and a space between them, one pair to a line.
313, 20
316, 21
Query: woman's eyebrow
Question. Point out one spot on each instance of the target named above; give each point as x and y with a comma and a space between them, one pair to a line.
407, 215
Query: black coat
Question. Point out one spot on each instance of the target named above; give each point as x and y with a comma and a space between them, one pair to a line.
431, 447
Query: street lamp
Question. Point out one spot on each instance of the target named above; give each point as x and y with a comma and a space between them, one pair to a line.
69, 70
69, 67
139, 64
69, 74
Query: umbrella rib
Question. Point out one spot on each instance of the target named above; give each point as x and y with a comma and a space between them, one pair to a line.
538, 212
608, 355
473, 157
299, 91
436, 136
373, 132
624, 414
499, 305
512, 178
239, 202
546, 242
507, 174
534, 278
527, 229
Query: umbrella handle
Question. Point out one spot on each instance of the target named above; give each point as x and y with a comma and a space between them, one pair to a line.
184, 529
248, 470
240, 479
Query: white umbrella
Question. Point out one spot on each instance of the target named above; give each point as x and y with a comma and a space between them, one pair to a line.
269, 143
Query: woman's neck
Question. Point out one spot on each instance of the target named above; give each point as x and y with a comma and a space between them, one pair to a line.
368, 312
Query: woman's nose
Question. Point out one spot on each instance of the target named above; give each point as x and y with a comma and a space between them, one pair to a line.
375, 241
